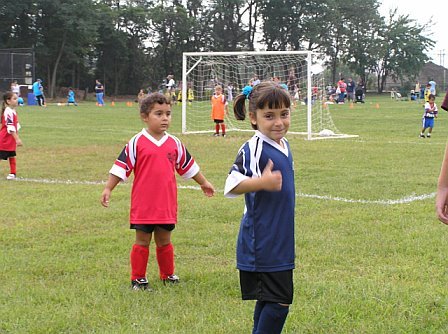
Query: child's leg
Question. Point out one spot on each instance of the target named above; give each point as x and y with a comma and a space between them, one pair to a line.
164, 252
140, 254
12, 165
223, 129
217, 128
272, 318
257, 312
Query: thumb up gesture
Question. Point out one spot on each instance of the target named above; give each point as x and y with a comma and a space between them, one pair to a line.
272, 180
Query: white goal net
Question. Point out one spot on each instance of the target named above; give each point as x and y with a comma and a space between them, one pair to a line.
299, 71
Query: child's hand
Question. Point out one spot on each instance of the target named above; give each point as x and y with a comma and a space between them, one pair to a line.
272, 180
19, 142
105, 196
208, 189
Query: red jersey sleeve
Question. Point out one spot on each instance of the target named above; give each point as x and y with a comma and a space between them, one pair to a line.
185, 164
125, 162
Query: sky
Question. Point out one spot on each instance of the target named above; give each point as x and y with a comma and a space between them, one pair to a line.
423, 12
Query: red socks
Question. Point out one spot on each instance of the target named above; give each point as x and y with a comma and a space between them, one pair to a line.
165, 259
223, 128
139, 261
12, 165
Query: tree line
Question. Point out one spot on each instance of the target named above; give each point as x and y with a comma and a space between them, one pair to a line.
130, 44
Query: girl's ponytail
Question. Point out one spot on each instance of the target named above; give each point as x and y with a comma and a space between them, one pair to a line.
6, 97
239, 107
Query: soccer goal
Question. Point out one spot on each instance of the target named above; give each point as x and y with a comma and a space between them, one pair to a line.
300, 71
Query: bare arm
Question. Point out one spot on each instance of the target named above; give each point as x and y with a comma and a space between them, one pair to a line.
110, 185
17, 138
442, 191
269, 181
206, 186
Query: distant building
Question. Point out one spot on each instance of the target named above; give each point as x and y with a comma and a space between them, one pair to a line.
430, 71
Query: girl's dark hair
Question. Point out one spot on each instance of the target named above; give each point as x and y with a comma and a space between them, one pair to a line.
431, 96
6, 97
149, 101
266, 94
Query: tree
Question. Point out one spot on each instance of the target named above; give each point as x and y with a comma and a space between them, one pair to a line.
63, 28
402, 47
363, 27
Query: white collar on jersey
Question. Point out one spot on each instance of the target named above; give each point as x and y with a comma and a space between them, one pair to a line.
283, 149
155, 141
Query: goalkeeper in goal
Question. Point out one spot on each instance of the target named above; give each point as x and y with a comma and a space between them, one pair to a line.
220, 108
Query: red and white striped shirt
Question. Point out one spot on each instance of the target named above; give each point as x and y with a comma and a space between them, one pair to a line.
154, 162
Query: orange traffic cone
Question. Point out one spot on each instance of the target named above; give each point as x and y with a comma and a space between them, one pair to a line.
377, 106
112, 103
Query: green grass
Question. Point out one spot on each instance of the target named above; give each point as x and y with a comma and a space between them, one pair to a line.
368, 261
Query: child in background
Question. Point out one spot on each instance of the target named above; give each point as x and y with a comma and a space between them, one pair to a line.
263, 171
9, 138
428, 116
229, 92
71, 97
140, 96
427, 92
154, 156
219, 109
190, 95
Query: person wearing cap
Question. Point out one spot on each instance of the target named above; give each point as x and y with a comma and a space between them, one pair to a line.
38, 91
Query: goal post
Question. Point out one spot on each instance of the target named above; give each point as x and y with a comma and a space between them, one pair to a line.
299, 71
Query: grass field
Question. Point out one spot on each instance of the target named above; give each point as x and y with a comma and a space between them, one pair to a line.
372, 257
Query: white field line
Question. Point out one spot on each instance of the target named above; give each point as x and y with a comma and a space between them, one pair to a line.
404, 200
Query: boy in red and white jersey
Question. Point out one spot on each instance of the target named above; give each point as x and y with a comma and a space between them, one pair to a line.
154, 156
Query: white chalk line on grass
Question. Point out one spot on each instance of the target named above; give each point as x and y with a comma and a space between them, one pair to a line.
403, 200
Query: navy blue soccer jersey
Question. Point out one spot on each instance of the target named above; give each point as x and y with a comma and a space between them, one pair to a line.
266, 237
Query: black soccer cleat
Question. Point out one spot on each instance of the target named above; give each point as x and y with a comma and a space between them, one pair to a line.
172, 279
140, 284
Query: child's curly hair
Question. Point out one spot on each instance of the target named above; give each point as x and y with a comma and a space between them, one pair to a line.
149, 101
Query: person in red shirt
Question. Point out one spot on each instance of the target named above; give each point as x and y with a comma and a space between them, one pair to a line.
154, 156
342, 86
9, 138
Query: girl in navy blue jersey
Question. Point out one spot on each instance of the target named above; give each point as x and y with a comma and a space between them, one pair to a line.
263, 171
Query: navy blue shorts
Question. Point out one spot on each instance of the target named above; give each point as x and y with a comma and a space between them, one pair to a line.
274, 287
149, 228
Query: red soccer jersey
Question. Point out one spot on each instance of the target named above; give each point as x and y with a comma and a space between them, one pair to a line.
154, 191
9, 125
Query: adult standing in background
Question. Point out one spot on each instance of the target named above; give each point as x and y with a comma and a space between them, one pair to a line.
432, 89
38, 91
417, 88
292, 81
342, 86
99, 91
171, 87
15, 88
350, 90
